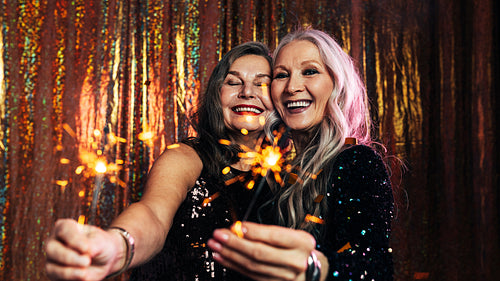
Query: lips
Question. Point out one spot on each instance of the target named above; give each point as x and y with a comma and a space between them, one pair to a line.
247, 109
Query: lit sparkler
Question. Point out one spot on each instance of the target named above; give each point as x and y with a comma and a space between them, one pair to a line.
100, 169
93, 164
269, 159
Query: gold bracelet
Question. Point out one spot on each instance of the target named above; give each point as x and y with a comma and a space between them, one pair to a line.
129, 240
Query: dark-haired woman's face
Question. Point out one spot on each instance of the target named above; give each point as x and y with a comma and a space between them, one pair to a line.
245, 95
301, 86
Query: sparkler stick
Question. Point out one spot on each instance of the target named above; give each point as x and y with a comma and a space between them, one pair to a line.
254, 198
271, 159
100, 169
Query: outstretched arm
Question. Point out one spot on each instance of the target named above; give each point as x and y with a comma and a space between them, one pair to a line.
76, 252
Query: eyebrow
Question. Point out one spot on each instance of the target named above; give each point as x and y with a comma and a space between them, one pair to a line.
301, 64
259, 75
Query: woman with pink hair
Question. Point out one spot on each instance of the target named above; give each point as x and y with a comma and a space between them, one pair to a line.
333, 211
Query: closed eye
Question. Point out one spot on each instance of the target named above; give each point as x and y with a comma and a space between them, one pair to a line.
233, 83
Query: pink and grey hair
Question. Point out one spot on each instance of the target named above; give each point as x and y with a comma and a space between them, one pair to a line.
348, 104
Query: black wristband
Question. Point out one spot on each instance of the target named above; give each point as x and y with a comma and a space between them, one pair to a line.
313, 272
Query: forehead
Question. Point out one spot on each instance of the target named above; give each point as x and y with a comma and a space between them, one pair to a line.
298, 51
250, 63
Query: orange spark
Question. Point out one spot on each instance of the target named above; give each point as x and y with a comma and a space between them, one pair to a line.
226, 170
79, 169
81, 220
68, 129
64, 161
244, 131
237, 229
145, 136
269, 159
262, 120
345, 247
250, 184
224, 142
114, 139
311, 218
100, 167
207, 200
62, 183
319, 198
172, 146
265, 90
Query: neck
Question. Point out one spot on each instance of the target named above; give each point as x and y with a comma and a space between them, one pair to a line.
302, 139
248, 143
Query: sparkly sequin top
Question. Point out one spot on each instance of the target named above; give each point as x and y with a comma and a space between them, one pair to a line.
209, 205
355, 236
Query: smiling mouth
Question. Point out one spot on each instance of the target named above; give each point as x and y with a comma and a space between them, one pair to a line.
247, 109
298, 104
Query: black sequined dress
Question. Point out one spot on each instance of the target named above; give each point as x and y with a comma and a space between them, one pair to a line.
355, 236
209, 205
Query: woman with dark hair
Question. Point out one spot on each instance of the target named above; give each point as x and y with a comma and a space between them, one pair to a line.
334, 212
187, 195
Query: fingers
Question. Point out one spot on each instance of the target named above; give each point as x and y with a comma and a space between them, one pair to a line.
72, 234
57, 272
246, 251
80, 252
61, 254
278, 236
68, 245
267, 257
255, 271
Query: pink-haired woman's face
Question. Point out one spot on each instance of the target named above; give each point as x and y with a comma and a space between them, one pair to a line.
301, 85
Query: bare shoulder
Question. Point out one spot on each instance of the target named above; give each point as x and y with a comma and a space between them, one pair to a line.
181, 154
179, 165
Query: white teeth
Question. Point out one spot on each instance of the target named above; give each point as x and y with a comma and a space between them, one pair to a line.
298, 104
247, 109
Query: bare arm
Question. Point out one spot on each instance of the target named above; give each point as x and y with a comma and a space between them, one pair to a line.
90, 253
150, 219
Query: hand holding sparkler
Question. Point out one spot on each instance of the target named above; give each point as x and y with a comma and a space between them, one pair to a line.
81, 252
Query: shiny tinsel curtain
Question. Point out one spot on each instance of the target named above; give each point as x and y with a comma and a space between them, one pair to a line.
84, 81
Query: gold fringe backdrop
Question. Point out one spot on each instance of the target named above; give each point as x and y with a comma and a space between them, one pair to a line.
84, 81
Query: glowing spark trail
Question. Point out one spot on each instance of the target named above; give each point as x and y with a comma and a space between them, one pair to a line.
100, 169
269, 159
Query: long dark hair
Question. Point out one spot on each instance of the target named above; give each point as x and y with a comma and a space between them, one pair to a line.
208, 120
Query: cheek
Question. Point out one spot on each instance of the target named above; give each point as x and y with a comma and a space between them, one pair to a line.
324, 93
275, 95
268, 102
276, 90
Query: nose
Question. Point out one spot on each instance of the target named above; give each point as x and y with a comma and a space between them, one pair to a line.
247, 91
295, 84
